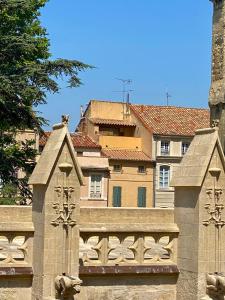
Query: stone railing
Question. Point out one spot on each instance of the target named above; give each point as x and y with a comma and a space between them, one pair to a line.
16, 241
16, 248
140, 239
116, 247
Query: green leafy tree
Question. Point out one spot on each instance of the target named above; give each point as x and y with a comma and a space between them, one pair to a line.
27, 74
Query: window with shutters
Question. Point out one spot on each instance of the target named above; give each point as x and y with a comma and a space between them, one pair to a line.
117, 191
164, 177
141, 197
95, 187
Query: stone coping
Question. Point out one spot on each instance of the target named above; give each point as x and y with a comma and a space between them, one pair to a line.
16, 272
145, 228
17, 227
129, 270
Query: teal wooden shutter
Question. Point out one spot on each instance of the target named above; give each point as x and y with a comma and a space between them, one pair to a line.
117, 196
142, 197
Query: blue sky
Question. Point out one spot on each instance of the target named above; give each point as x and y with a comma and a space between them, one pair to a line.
160, 45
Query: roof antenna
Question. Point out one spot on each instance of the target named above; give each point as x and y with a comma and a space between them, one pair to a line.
168, 96
125, 82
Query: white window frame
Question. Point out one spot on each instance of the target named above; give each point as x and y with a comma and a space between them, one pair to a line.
102, 186
163, 186
164, 152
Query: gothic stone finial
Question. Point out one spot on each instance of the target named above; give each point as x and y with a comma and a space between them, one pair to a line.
65, 119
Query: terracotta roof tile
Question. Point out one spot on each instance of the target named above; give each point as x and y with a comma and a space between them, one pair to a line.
126, 155
79, 141
171, 120
99, 121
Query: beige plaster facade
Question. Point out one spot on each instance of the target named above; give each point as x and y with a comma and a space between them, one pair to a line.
129, 179
121, 131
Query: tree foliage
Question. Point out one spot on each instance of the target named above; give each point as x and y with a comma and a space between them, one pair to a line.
27, 74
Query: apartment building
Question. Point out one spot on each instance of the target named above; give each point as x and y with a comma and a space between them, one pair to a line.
130, 165
161, 134
172, 130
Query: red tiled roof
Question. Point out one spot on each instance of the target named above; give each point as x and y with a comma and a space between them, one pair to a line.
78, 140
126, 155
171, 120
99, 121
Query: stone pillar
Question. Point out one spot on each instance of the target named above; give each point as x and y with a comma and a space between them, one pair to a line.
199, 185
56, 184
217, 90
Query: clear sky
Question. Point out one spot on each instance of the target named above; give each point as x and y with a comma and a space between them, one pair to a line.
160, 45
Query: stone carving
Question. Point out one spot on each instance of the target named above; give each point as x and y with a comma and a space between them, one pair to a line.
64, 206
215, 123
66, 287
123, 248
65, 119
14, 249
214, 208
216, 285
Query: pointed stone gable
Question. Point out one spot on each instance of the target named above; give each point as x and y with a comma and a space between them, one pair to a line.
45, 164
193, 167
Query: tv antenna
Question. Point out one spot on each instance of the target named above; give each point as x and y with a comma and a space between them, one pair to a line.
168, 96
124, 91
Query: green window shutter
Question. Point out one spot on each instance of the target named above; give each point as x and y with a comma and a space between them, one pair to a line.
142, 197
117, 196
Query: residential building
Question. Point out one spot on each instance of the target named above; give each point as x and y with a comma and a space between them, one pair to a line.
172, 130
163, 133
131, 168
94, 166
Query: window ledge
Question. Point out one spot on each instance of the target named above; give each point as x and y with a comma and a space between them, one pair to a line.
165, 190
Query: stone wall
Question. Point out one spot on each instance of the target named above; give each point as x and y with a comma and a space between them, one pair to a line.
123, 254
122, 280
16, 249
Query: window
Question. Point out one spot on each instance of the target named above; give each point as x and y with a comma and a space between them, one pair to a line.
117, 168
184, 147
165, 147
141, 169
141, 196
164, 177
96, 186
79, 153
117, 191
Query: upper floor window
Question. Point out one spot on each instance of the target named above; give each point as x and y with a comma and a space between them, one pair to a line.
96, 186
165, 147
164, 177
141, 169
117, 168
184, 147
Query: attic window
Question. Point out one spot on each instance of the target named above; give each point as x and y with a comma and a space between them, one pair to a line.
79, 153
117, 168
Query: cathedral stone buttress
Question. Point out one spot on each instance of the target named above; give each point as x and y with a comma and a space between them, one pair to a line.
217, 89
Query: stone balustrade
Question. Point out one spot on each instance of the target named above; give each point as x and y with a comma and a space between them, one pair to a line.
16, 238
16, 249
140, 239
127, 248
